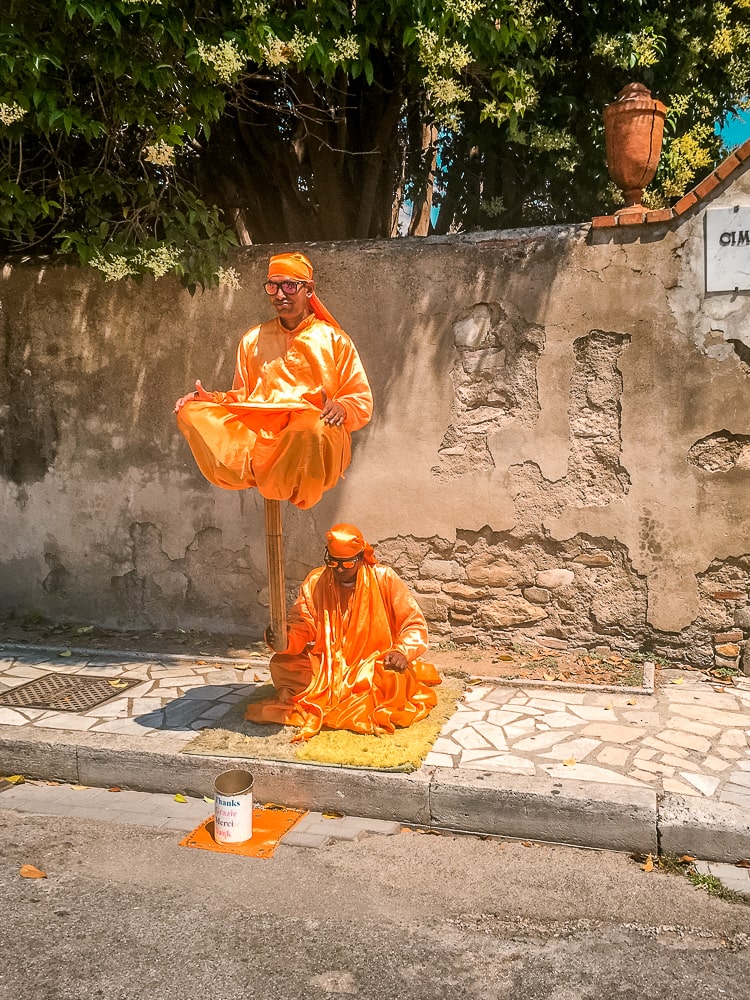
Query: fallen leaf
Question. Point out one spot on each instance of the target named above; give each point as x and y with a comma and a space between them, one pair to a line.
65, 652
548, 677
179, 797
608, 708
526, 843
505, 656
632, 702
720, 690
84, 629
273, 805
29, 871
15, 779
118, 684
687, 859
570, 762
332, 814
743, 863
80, 788
678, 680
207, 798
257, 677
55, 784
114, 788
201, 663
649, 866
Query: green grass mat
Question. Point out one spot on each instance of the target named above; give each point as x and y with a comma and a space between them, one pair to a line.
404, 750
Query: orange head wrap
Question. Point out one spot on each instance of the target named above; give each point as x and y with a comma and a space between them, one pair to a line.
296, 265
344, 541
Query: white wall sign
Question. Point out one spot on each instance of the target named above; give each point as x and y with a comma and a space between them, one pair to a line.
728, 249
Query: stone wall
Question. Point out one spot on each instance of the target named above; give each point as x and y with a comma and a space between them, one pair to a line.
560, 446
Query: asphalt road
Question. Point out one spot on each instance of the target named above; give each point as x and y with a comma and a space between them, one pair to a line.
126, 913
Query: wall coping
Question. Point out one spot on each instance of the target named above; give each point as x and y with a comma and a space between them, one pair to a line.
697, 194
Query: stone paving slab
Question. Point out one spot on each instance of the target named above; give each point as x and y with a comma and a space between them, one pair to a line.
737, 879
162, 812
630, 757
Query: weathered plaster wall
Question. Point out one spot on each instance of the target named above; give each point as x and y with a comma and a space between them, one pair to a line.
561, 442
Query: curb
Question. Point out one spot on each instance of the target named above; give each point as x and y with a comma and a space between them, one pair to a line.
132, 656
580, 814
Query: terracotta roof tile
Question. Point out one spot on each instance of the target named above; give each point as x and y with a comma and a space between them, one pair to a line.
686, 202
728, 166
706, 186
660, 215
602, 221
631, 218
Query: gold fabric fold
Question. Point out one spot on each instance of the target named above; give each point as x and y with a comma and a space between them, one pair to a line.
332, 672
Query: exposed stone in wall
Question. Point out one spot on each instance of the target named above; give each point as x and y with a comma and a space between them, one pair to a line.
595, 475
56, 581
207, 583
721, 452
494, 383
492, 584
499, 586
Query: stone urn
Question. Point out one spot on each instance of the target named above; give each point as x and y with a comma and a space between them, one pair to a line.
633, 131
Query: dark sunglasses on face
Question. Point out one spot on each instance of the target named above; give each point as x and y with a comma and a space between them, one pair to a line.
287, 287
341, 563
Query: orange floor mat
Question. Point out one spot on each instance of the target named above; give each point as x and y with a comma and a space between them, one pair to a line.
269, 826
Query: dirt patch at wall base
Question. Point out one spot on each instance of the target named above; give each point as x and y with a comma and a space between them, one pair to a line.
530, 663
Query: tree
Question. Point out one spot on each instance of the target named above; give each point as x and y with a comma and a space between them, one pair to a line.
150, 135
549, 167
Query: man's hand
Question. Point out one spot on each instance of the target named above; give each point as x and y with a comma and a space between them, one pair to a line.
394, 660
200, 394
333, 412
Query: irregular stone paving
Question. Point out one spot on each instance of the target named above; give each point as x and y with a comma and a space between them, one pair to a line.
687, 738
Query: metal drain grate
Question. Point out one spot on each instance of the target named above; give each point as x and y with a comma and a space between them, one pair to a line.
65, 692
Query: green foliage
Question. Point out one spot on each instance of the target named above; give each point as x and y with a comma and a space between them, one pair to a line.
548, 166
102, 104
148, 136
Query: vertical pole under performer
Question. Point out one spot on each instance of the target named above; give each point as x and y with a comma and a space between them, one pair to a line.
276, 585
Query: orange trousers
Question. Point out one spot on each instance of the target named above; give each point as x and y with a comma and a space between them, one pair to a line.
288, 455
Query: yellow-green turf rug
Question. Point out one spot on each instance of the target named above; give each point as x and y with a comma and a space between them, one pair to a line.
404, 750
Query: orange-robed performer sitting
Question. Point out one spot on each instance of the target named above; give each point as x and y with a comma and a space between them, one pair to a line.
299, 391
352, 660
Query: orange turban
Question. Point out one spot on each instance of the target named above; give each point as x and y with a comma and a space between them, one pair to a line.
344, 541
296, 265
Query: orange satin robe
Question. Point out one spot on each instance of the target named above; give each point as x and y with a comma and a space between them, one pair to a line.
267, 431
331, 673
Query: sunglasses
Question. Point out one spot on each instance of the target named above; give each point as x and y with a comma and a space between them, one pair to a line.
332, 561
287, 287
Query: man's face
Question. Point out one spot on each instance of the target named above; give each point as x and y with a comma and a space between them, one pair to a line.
344, 570
291, 306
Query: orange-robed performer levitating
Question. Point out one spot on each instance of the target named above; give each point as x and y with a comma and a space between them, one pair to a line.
352, 660
299, 391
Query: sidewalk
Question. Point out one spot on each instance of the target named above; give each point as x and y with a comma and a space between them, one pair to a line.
666, 771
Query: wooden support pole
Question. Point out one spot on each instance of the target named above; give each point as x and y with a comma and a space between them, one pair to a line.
276, 586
